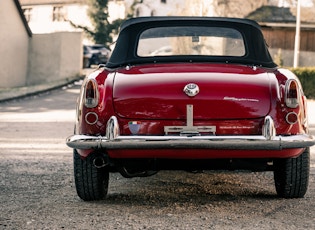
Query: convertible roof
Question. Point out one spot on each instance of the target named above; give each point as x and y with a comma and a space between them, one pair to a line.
132, 21
124, 52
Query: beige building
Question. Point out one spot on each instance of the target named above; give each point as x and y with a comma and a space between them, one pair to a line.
14, 44
48, 16
44, 16
29, 58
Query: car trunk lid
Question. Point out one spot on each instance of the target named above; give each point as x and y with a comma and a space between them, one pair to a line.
225, 92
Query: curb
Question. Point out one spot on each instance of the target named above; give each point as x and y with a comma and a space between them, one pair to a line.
9, 94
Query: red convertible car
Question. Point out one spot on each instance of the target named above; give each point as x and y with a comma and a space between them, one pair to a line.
190, 93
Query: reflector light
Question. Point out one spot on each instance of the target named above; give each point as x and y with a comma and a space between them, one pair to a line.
291, 118
91, 94
291, 94
91, 118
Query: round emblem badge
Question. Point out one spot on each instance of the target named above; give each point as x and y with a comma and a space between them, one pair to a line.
191, 89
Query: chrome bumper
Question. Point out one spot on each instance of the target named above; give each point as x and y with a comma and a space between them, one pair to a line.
195, 142
267, 141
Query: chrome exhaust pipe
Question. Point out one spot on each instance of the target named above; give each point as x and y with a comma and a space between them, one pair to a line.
99, 162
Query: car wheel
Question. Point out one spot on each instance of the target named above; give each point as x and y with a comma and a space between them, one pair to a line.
91, 183
291, 175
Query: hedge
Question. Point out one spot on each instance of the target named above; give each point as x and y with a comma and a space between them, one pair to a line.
307, 79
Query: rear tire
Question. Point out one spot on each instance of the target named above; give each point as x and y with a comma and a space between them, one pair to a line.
91, 183
291, 175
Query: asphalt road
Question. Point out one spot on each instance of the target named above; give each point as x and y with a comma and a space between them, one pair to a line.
37, 187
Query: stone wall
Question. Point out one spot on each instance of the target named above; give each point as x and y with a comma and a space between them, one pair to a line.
54, 56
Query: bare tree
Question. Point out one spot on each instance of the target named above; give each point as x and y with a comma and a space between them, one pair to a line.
236, 8
195, 8
221, 8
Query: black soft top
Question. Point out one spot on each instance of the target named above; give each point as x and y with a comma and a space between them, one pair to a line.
124, 52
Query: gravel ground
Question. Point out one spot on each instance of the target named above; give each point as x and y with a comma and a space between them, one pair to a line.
37, 192
37, 185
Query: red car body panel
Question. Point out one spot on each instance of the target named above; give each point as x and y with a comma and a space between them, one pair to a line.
202, 154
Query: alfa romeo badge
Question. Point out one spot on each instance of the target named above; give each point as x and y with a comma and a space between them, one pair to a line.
191, 89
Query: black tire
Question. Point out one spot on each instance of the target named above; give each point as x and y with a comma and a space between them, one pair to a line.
91, 183
291, 175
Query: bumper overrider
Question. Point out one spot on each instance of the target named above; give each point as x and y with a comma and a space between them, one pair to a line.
191, 140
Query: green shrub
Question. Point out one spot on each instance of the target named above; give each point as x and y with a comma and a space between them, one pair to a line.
307, 79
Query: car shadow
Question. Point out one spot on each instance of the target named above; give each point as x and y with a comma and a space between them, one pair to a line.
181, 188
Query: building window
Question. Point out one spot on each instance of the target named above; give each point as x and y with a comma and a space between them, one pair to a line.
58, 13
27, 14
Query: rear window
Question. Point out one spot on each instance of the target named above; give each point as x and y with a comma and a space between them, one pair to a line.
191, 40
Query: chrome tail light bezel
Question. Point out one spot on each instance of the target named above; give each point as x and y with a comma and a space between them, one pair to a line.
91, 94
292, 94
290, 120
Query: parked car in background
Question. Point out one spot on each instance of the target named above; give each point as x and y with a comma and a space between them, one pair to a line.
190, 93
95, 55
